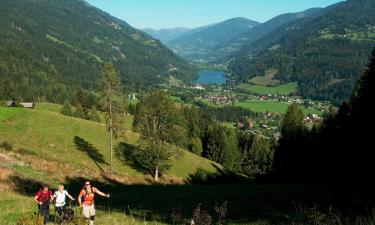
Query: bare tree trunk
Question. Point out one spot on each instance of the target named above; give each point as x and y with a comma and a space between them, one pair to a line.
110, 135
157, 173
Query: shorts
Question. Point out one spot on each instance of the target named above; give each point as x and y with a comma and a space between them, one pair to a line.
88, 211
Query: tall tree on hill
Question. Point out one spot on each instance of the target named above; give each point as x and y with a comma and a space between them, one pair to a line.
155, 120
8, 90
110, 92
291, 145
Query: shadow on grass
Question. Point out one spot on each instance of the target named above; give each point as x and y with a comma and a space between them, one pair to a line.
131, 155
247, 203
25, 186
134, 157
84, 146
221, 176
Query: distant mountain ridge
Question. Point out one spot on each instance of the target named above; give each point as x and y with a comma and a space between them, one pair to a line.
324, 53
197, 43
224, 49
165, 35
51, 47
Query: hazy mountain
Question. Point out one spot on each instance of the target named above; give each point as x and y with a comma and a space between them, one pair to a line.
259, 31
50, 46
165, 35
324, 53
197, 44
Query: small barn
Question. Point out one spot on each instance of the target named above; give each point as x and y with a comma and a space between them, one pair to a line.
28, 105
10, 103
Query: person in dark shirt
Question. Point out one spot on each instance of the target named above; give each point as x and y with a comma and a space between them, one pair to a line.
43, 199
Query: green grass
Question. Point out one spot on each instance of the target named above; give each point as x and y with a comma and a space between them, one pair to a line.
285, 89
246, 204
48, 107
48, 133
264, 106
266, 79
271, 106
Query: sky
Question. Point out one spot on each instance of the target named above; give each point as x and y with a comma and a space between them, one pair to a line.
158, 14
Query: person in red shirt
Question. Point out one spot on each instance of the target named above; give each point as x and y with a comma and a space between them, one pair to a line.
43, 198
87, 194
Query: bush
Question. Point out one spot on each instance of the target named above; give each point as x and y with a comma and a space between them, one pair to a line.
6, 146
195, 146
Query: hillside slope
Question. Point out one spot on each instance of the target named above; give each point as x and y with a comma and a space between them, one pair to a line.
62, 146
325, 55
197, 43
49, 47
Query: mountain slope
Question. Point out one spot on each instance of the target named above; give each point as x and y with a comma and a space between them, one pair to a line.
50, 45
165, 35
325, 54
235, 44
47, 140
197, 43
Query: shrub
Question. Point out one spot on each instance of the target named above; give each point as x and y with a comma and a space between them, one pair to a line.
6, 146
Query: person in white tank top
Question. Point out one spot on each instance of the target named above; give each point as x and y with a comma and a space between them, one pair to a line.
60, 200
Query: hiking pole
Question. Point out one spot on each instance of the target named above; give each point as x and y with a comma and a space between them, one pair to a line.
109, 205
55, 219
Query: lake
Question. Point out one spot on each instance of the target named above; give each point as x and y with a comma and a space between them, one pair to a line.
211, 77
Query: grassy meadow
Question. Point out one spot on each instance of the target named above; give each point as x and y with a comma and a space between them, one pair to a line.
271, 106
284, 89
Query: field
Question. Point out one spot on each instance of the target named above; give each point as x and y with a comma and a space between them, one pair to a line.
285, 89
266, 79
271, 106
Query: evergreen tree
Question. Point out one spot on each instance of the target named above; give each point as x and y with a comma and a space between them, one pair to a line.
110, 87
155, 120
94, 115
291, 148
66, 109
8, 90
195, 146
80, 112
293, 120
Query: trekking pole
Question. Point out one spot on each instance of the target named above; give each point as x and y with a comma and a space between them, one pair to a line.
109, 205
55, 219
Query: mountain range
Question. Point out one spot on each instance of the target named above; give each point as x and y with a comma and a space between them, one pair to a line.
165, 35
325, 52
51, 47
197, 43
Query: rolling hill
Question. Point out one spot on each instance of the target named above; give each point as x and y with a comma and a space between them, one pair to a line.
197, 43
325, 53
64, 146
50, 47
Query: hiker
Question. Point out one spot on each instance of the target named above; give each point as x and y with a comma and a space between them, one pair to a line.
87, 194
43, 198
60, 205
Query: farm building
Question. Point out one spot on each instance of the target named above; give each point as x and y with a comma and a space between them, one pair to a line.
29, 105
10, 104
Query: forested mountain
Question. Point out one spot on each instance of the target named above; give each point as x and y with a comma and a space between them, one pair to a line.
50, 47
197, 44
165, 35
324, 53
224, 49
